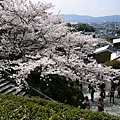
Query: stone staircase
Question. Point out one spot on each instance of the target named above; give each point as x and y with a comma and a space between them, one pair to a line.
9, 86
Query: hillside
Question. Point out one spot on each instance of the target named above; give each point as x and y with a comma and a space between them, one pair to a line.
80, 18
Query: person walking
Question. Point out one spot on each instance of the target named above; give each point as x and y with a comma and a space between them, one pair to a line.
102, 94
92, 93
100, 105
112, 85
112, 92
89, 87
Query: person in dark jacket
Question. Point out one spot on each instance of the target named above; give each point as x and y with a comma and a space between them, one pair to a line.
89, 87
102, 85
92, 93
102, 94
112, 92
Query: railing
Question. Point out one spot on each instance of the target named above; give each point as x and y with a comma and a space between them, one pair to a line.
40, 93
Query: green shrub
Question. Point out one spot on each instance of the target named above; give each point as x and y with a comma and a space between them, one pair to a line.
24, 108
55, 86
114, 63
84, 26
118, 33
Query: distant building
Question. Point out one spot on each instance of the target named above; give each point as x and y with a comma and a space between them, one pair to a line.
89, 33
116, 54
116, 43
108, 52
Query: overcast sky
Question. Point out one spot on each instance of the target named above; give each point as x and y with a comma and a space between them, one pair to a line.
85, 7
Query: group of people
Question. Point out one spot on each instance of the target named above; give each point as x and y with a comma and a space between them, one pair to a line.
86, 104
102, 91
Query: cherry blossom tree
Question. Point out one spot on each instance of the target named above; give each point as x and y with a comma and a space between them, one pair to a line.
26, 26
43, 39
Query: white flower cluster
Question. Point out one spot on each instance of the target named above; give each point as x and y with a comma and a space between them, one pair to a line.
44, 40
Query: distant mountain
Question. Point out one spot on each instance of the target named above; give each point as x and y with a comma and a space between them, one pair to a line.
84, 18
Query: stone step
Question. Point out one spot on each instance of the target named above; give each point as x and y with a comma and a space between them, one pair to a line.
4, 83
0, 76
4, 88
17, 92
22, 93
11, 90
2, 80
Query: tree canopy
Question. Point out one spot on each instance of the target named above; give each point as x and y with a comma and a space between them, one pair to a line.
82, 27
30, 36
118, 32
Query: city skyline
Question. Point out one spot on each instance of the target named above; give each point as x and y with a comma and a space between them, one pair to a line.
93, 8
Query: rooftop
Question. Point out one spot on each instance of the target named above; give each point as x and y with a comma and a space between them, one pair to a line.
115, 55
116, 40
102, 49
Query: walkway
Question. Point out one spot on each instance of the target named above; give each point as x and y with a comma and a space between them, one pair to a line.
108, 107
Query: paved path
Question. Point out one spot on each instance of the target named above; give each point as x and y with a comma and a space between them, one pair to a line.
108, 107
